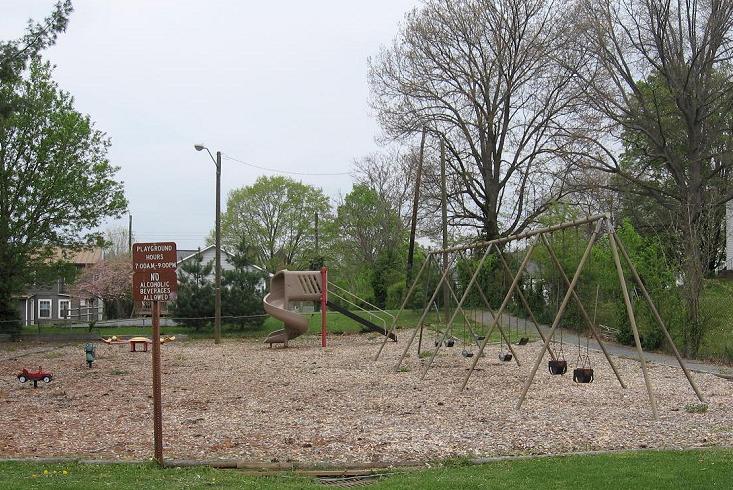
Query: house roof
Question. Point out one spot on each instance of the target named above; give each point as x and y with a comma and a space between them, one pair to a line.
184, 255
87, 256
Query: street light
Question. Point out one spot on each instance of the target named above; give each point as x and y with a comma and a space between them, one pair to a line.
217, 304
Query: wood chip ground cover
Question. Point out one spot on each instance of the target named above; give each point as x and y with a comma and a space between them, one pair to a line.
243, 401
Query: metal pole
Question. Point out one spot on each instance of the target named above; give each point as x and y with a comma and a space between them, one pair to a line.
499, 327
648, 298
157, 408
324, 300
465, 316
419, 340
415, 201
217, 305
455, 312
316, 226
558, 316
632, 321
444, 219
591, 324
420, 322
525, 303
497, 317
393, 328
129, 235
526, 234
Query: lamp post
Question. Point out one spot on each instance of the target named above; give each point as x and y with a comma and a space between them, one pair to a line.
217, 286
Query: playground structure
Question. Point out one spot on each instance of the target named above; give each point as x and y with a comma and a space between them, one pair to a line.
557, 365
35, 376
287, 287
135, 342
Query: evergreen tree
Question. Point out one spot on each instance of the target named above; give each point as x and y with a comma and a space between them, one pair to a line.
243, 289
195, 293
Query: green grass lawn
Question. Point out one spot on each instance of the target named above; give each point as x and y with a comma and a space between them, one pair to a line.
697, 469
337, 324
718, 311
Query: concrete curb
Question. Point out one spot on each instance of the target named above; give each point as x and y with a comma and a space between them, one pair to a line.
327, 470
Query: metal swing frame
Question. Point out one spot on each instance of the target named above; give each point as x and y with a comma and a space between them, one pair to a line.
539, 236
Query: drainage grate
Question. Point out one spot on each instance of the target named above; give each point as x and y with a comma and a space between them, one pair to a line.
350, 481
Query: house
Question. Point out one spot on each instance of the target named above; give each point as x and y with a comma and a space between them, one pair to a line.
208, 255
57, 302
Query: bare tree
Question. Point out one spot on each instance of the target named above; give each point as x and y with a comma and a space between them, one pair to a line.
391, 175
117, 241
495, 81
657, 76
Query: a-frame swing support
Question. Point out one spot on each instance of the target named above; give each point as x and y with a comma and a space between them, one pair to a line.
590, 323
615, 245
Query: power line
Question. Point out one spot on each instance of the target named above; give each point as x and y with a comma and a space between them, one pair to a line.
312, 174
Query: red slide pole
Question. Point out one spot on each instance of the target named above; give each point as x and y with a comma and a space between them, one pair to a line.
324, 299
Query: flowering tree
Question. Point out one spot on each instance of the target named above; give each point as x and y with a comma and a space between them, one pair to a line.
111, 280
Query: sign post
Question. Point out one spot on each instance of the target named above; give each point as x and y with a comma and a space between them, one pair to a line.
154, 280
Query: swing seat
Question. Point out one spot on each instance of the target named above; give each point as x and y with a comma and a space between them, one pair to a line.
480, 337
583, 375
466, 353
557, 366
505, 356
450, 343
523, 341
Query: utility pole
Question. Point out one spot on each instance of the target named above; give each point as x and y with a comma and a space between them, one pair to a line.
444, 217
217, 304
316, 222
413, 225
217, 286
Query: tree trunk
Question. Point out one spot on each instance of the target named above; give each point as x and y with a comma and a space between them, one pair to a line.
9, 321
694, 276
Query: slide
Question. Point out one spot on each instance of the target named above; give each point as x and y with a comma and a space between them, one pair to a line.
295, 323
359, 319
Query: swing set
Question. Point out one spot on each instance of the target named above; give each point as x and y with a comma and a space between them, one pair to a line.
583, 372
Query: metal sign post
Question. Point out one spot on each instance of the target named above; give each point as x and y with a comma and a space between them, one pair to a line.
154, 279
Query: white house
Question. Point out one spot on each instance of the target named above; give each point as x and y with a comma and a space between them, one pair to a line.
208, 255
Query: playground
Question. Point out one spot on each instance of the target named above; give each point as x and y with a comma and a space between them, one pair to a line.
242, 401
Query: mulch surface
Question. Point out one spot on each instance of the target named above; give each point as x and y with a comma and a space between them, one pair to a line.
301, 405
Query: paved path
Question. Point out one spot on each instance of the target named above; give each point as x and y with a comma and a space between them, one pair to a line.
570, 340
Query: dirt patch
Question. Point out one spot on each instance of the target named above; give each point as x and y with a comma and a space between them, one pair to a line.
241, 400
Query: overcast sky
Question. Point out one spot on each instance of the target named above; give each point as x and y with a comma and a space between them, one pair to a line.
278, 84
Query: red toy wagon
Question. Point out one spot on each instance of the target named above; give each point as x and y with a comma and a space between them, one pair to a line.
35, 376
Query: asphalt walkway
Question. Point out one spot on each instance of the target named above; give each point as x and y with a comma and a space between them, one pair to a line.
570, 340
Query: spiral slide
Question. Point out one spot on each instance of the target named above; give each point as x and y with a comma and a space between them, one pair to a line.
295, 323
287, 286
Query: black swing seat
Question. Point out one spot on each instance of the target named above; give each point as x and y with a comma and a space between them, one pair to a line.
583, 375
557, 366
505, 356
466, 353
523, 341
450, 342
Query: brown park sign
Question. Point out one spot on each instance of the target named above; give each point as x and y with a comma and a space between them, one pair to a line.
155, 285
154, 277
154, 256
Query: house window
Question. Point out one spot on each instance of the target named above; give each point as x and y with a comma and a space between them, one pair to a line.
44, 308
64, 308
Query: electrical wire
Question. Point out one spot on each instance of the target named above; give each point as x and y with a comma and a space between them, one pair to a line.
260, 167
